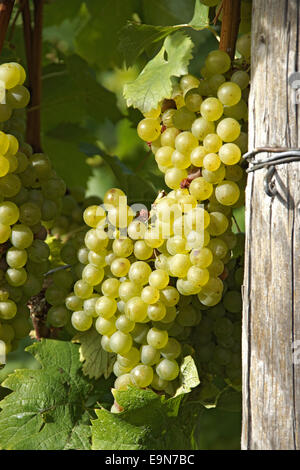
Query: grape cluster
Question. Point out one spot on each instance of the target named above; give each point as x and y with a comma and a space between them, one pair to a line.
30, 193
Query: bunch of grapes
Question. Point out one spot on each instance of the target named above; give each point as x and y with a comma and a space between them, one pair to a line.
30, 194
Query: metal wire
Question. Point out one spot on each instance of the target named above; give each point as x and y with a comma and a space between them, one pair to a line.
284, 155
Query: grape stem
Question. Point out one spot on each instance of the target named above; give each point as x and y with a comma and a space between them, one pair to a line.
33, 47
230, 26
6, 7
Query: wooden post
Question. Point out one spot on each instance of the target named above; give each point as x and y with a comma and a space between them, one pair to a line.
271, 314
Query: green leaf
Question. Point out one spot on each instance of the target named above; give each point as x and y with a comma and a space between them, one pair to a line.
56, 11
96, 361
148, 421
97, 42
136, 188
46, 410
154, 82
188, 376
200, 19
167, 12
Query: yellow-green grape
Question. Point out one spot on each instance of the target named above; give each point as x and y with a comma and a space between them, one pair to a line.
229, 93
214, 177
217, 62
242, 142
241, 78
204, 88
167, 117
149, 129
176, 245
124, 324
136, 230
73, 303
228, 129
128, 289
211, 109
170, 315
159, 279
213, 286
81, 321
180, 160
201, 189
120, 216
157, 338
113, 197
187, 82
129, 359
174, 176
8, 309
21, 236
105, 343
209, 300
16, 277
18, 97
106, 307
136, 309
193, 100
4, 144
123, 382
158, 384
227, 193
119, 370
188, 316
139, 272
230, 154
16, 258
197, 156
106, 326
157, 311
169, 296
93, 215
92, 274
142, 375
155, 145
153, 113
238, 111
13, 145
183, 118
142, 251
97, 259
185, 142
149, 355
122, 247
82, 289
211, 162
215, 82
120, 267
5, 232
5, 112
13, 163
218, 247
201, 257
150, 295
234, 173
163, 156
202, 127
167, 369
168, 137
89, 305
95, 240
4, 166
10, 75
9, 213
172, 349
120, 343
110, 287
198, 276
198, 218
187, 203
243, 45
179, 265
216, 268
218, 223
212, 143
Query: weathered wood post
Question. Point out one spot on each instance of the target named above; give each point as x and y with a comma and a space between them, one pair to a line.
271, 314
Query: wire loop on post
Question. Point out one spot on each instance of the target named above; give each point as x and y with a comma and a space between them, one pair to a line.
284, 155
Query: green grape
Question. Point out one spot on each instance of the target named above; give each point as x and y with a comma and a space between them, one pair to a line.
82, 289
212, 143
234, 173
227, 193
238, 111
167, 369
149, 355
179, 265
5, 111
215, 82
110, 287
30, 214
233, 301
159, 279
214, 177
124, 324
106, 326
16, 277
7, 333
81, 321
17, 97
4, 166
169, 296
148, 129
223, 327
73, 303
211, 162
21, 236
129, 289
183, 119
187, 317
230, 154
201, 257
211, 109
188, 82
241, 78
197, 156
94, 240
185, 142
193, 100
120, 343
156, 311
92, 275
201, 189
168, 137
229, 93
120, 267
5, 232
142, 375
136, 309
157, 338
217, 62
228, 129
8, 309
123, 382
198, 276
58, 316
96, 259
10, 74
202, 127
150, 294
218, 223
38, 251
32, 286
119, 370
106, 307
172, 349
243, 45
142, 251
16, 258
139, 272
139, 333
129, 359
55, 295
180, 160
9, 213
174, 177
163, 156
93, 215
216, 268
218, 247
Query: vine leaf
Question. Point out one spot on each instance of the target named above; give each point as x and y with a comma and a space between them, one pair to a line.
200, 18
155, 81
46, 410
149, 421
96, 361
188, 376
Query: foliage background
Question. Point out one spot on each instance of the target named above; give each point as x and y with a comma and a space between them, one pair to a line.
85, 121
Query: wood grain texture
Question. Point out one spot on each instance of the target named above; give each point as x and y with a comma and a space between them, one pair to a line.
271, 291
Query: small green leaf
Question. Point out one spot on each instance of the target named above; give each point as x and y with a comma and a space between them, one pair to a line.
148, 421
154, 82
96, 361
188, 376
200, 19
46, 410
